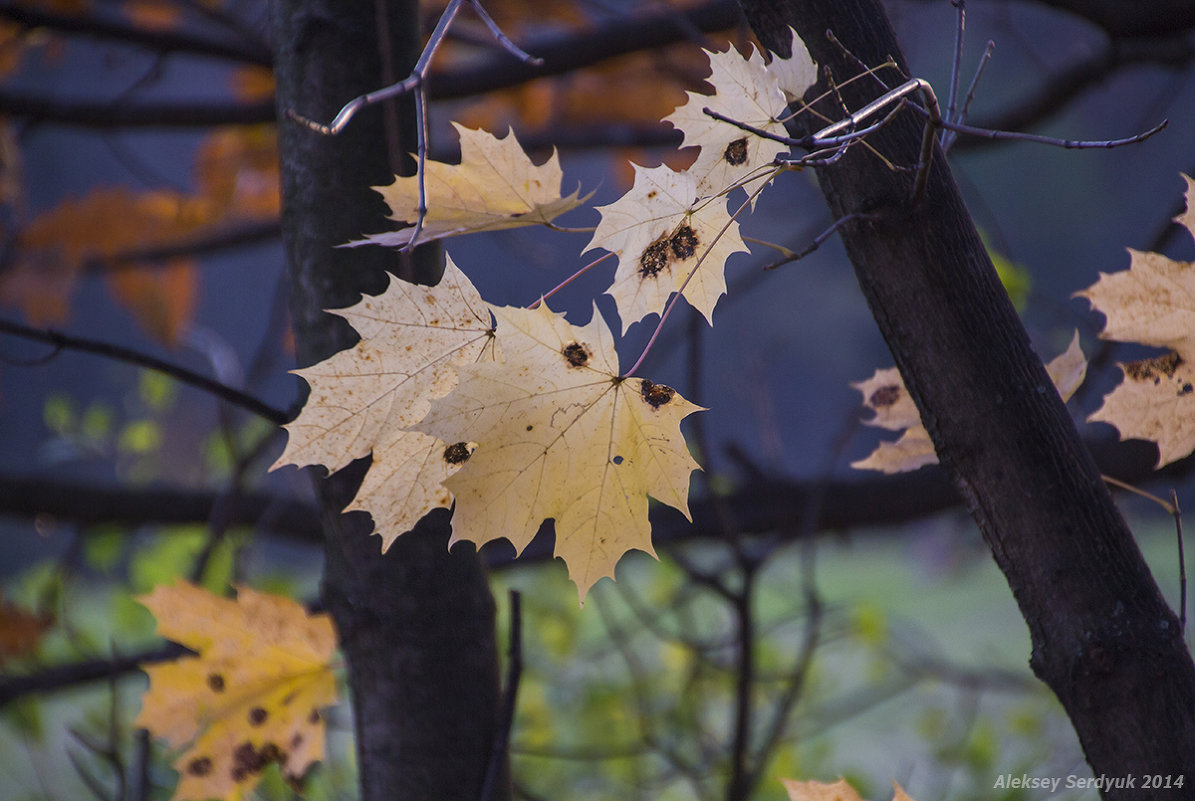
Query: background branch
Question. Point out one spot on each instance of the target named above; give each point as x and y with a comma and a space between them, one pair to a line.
154, 40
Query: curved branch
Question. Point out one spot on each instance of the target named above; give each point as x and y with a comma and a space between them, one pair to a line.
763, 506
117, 114
1053, 94
222, 391
155, 40
73, 674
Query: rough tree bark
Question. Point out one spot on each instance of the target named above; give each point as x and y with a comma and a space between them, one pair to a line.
416, 625
1103, 638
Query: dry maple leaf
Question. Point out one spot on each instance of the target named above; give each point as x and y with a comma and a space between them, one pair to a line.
796, 73
893, 408
746, 91
1153, 302
840, 790
413, 339
250, 698
660, 230
554, 432
496, 186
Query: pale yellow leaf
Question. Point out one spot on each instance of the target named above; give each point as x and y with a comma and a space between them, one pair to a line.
405, 482
496, 186
795, 74
252, 697
556, 433
893, 408
661, 231
363, 399
1153, 302
747, 92
1156, 401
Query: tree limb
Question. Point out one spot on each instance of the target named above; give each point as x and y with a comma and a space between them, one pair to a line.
158, 41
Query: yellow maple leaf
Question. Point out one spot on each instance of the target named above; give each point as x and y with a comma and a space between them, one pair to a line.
363, 400
840, 790
746, 91
660, 230
252, 697
496, 186
893, 408
1153, 302
554, 432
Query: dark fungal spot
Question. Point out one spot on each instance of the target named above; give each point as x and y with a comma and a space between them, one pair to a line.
529, 427
216, 682
257, 716
296, 741
576, 354
683, 243
457, 453
1155, 368
617, 460
736, 152
246, 761
314, 717
201, 766
656, 395
884, 396
1186, 389
654, 259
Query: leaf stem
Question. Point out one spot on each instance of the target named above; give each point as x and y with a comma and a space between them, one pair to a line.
570, 279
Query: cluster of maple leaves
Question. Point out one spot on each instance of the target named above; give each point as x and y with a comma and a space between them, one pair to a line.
517, 415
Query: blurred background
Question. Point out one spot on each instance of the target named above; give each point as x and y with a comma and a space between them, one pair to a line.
139, 208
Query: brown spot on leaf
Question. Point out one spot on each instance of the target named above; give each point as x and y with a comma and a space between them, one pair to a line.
652, 194
246, 761
1185, 389
314, 717
656, 395
884, 396
654, 259
257, 716
576, 354
289, 697
296, 741
200, 766
1155, 368
215, 682
684, 243
457, 453
736, 152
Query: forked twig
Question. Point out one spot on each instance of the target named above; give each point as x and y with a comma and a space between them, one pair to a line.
415, 82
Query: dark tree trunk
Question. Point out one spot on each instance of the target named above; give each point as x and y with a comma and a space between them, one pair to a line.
1103, 638
416, 625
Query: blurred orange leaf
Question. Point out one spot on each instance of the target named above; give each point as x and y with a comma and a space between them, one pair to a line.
159, 15
252, 83
162, 299
236, 169
20, 631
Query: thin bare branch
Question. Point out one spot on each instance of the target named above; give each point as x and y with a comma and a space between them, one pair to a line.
209, 385
154, 40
